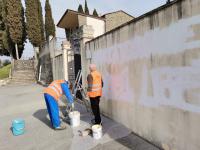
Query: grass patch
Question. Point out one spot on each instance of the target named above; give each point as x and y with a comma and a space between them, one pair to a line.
4, 72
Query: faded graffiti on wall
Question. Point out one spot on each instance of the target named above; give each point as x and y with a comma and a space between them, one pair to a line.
117, 86
178, 87
172, 86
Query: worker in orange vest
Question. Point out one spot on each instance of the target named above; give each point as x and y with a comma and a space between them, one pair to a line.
52, 94
95, 84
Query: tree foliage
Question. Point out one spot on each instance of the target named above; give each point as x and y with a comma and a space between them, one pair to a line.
86, 8
80, 9
11, 20
41, 21
34, 25
14, 20
49, 22
8, 45
1, 16
95, 13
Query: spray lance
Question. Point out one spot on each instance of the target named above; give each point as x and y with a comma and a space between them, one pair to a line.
72, 107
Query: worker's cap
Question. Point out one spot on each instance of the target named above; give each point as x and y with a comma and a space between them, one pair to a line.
92, 67
66, 81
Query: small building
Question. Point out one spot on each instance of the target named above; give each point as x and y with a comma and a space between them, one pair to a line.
74, 23
116, 19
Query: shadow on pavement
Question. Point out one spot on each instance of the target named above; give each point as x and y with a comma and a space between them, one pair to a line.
134, 142
42, 115
115, 135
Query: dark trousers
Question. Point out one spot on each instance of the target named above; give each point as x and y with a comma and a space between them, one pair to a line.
95, 108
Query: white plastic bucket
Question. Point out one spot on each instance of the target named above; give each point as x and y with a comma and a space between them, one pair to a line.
97, 131
74, 118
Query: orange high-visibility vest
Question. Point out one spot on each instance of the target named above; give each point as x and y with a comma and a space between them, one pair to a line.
54, 89
96, 85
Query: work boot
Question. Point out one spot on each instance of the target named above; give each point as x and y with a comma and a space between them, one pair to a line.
93, 121
101, 123
61, 127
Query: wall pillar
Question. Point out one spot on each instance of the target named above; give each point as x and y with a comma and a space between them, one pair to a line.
86, 34
66, 47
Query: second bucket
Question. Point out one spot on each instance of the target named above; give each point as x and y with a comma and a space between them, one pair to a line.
74, 118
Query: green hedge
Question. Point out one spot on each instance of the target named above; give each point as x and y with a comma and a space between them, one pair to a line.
4, 71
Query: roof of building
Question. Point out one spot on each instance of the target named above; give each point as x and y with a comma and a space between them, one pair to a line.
117, 12
70, 19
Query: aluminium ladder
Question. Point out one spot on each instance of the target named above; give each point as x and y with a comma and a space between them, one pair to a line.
78, 87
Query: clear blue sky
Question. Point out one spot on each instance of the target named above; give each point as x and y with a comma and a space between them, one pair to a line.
133, 7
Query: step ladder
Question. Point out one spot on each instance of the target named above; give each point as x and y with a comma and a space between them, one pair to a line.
78, 87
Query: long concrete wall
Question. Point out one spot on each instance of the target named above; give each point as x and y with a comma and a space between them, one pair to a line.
151, 72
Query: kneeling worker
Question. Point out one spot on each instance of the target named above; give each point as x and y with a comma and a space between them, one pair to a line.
52, 94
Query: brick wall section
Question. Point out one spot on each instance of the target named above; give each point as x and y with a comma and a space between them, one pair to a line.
116, 19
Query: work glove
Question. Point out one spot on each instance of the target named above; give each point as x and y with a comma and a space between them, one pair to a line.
71, 107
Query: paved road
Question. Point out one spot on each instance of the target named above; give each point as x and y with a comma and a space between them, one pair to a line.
27, 102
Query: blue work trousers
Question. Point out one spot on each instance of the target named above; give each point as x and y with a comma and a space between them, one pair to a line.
53, 110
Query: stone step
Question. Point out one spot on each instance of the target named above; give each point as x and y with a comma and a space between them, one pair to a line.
24, 79
23, 64
23, 67
20, 83
16, 82
27, 78
11, 83
24, 71
23, 75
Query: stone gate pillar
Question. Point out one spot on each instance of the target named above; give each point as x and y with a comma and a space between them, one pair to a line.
66, 46
86, 34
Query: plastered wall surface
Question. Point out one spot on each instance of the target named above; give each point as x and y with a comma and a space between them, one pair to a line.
151, 72
98, 25
57, 65
81, 20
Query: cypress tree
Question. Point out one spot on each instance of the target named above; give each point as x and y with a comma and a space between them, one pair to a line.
86, 8
95, 13
33, 25
49, 22
15, 22
24, 34
1, 15
7, 45
1, 27
80, 9
41, 21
